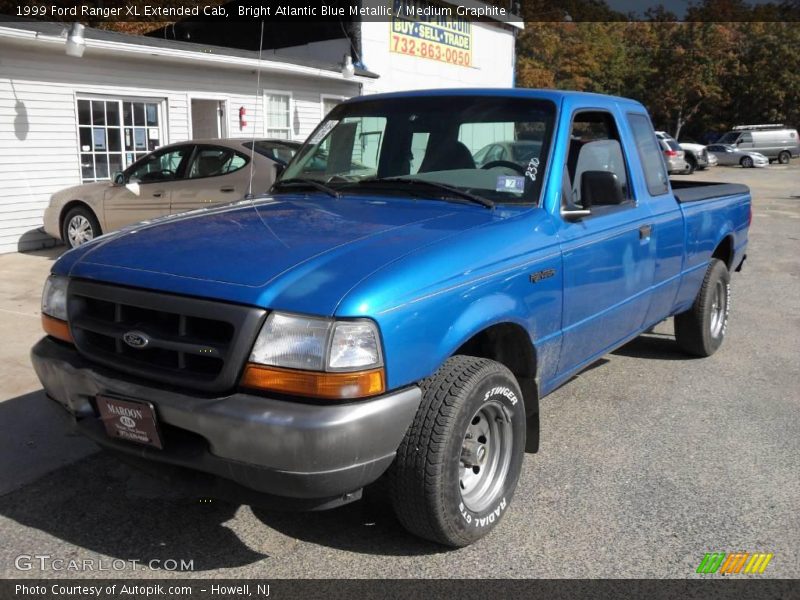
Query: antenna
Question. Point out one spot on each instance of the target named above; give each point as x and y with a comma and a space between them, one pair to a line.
258, 87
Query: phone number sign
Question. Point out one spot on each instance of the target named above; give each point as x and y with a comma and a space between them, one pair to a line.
429, 31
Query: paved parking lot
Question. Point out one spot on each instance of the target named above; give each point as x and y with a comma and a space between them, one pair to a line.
648, 460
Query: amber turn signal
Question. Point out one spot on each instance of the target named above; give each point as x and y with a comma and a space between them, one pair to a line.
57, 328
332, 386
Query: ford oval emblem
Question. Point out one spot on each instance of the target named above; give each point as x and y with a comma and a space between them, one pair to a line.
136, 339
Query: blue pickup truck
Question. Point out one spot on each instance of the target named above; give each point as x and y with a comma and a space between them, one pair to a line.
394, 308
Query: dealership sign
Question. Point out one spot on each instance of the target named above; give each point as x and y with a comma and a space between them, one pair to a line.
426, 30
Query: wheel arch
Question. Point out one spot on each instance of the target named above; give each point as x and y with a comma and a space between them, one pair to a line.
509, 343
724, 250
75, 204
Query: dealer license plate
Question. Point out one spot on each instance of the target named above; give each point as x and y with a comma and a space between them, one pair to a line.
130, 420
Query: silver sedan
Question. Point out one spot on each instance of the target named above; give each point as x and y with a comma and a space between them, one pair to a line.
175, 178
730, 156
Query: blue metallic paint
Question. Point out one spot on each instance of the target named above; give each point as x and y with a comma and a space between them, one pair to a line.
433, 274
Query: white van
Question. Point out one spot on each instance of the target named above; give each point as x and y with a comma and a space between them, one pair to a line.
775, 141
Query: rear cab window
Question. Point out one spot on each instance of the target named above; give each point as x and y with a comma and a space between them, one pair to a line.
655, 171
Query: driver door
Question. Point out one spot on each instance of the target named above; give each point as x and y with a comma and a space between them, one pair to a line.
149, 184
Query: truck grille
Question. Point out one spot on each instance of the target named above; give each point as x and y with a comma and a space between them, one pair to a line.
181, 341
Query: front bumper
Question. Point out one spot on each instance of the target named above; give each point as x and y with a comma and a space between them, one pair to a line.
50, 222
278, 447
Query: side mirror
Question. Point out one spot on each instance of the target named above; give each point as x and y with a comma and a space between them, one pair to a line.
601, 188
119, 178
739, 142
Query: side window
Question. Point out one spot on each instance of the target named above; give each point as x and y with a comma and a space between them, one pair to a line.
596, 163
212, 161
164, 165
655, 171
747, 138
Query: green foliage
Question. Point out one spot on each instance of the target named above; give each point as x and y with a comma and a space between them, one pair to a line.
693, 76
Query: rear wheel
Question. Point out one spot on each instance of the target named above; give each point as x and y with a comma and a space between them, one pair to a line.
80, 226
784, 157
701, 329
746, 162
690, 160
458, 465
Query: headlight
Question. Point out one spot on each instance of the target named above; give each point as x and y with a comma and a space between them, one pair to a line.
317, 357
292, 342
54, 297
54, 308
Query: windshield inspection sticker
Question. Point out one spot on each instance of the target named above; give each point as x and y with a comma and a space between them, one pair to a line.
513, 184
320, 134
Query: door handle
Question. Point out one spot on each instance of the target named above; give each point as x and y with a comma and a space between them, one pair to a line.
158, 194
645, 231
227, 189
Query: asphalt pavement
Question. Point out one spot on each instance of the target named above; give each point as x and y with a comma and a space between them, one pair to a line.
648, 460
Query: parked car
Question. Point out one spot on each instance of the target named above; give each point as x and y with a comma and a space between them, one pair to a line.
175, 178
516, 152
731, 156
400, 323
695, 155
674, 156
776, 141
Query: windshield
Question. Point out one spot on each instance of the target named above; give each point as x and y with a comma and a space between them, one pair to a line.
729, 138
278, 151
489, 147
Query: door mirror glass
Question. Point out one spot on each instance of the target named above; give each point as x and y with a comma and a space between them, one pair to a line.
119, 178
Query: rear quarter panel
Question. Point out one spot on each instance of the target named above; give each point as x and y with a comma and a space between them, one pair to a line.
707, 224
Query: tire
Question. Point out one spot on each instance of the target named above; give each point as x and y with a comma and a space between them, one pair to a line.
784, 157
79, 226
700, 330
746, 162
443, 487
690, 160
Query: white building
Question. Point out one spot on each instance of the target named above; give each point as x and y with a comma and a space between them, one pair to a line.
70, 120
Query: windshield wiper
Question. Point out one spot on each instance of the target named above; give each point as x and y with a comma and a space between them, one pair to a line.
434, 185
300, 182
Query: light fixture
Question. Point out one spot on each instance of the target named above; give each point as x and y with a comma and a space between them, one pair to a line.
76, 43
348, 70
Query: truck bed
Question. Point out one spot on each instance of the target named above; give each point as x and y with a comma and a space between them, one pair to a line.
696, 191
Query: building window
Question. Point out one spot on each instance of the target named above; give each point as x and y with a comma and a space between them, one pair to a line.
115, 133
279, 115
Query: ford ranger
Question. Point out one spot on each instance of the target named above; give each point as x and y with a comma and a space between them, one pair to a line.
394, 308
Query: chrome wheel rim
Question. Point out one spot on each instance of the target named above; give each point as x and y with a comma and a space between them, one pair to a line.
718, 306
485, 456
79, 230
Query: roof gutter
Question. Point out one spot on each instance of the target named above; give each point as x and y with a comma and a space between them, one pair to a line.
104, 47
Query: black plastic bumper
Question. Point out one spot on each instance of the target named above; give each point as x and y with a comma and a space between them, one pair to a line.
278, 447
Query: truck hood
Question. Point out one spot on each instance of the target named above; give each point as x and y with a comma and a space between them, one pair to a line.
300, 253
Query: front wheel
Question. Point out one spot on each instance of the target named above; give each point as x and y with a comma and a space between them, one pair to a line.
746, 162
700, 330
80, 226
457, 467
